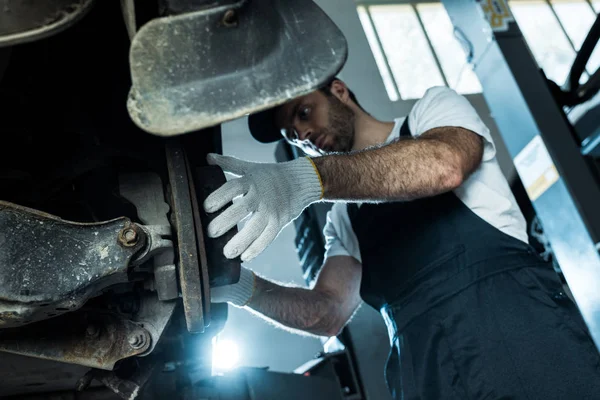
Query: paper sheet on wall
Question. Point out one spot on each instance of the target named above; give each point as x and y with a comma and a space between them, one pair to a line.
497, 13
535, 167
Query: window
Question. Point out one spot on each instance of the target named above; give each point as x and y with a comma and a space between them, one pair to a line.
555, 30
414, 48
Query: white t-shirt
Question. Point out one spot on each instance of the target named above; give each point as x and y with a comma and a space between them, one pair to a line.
486, 192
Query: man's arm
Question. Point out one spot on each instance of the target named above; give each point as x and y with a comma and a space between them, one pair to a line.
323, 310
436, 162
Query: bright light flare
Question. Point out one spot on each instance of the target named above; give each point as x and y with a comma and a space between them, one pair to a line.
225, 355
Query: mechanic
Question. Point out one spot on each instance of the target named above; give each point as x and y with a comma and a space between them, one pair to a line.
424, 229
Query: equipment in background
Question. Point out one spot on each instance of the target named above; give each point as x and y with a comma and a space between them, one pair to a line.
554, 159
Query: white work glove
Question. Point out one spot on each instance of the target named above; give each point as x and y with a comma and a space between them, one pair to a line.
275, 194
239, 294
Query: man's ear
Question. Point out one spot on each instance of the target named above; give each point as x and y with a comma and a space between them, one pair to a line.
340, 90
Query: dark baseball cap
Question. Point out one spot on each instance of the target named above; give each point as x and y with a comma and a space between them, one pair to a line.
262, 126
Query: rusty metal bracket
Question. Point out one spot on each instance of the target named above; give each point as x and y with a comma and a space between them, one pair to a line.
183, 219
129, 388
50, 266
96, 340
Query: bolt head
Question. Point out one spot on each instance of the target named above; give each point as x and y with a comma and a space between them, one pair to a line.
128, 237
91, 330
137, 340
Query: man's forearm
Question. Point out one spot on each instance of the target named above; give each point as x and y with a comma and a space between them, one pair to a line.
302, 309
403, 170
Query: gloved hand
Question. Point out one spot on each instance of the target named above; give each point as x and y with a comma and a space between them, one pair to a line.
275, 194
239, 294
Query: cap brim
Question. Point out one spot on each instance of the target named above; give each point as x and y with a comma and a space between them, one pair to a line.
262, 126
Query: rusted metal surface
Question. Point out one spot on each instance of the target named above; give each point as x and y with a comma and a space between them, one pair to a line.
128, 236
199, 69
145, 191
68, 339
129, 388
49, 266
24, 21
221, 270
204, 277
154, 315
183, 219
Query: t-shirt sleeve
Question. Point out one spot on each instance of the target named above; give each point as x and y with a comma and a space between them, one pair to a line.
340, 239
442, 106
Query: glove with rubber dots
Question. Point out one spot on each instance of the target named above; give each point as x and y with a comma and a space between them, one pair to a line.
274, 194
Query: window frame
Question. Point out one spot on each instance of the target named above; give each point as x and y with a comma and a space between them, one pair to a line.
365, 4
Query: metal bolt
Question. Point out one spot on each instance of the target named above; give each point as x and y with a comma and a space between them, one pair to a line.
230, 19
128, 237
137, 340
91, 330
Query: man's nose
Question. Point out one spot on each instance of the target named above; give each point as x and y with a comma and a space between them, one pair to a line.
304, 134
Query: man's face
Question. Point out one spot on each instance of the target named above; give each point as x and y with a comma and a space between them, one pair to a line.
318, 123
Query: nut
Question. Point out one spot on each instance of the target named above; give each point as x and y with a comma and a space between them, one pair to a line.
137, 340
128, 237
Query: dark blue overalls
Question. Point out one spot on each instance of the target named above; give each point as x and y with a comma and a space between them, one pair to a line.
472, 312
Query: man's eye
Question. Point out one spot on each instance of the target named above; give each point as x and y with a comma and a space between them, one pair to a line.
304, 113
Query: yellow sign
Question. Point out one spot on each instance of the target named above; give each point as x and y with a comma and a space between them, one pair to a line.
535, 168
497, 13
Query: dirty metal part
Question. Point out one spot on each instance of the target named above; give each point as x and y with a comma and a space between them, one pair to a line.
193, 71
189, 266
137, 340
50, 266
221, 270
230, 19
176, 7
128, 236
129, 388
66, 339
85, 381
145, 191
128, 10
158, 241
154, 315
23, 21
197, 211
165, 282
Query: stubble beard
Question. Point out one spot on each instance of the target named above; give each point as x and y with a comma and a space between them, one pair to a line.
341, 126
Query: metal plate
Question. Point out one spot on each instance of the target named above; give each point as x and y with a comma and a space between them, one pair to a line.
24, 21
203, 68
204, 276
183, 219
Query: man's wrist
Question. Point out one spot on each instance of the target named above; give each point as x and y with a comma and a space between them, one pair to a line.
238, 294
